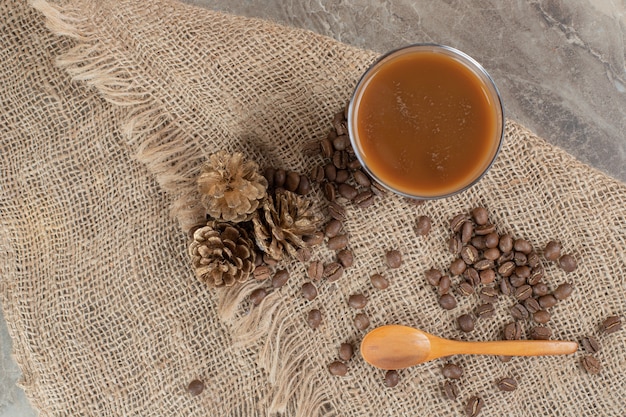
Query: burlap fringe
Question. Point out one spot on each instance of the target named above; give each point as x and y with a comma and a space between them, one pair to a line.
174, 160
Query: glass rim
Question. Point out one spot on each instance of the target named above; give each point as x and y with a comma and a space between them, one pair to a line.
467, 61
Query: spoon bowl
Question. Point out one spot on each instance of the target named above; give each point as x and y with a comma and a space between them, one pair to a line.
398, 347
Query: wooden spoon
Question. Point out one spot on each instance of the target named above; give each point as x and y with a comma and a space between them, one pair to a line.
397, 347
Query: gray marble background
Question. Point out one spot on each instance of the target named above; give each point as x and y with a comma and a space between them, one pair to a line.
559, 64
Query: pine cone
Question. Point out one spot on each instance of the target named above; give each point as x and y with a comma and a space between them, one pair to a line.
282, 222
222, 254
231, 188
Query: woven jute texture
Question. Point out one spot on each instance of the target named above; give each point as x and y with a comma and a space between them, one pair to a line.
108, 110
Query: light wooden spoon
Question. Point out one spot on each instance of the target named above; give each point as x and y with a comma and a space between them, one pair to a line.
397, 347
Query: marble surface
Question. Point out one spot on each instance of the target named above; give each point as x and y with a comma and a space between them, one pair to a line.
560, 67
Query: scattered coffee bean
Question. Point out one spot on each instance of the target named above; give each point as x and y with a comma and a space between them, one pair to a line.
478, 242
361, 178
552, 251
465, 289
480, 215
455, 245
487, 276
540, 289
347, 191
505, 286
491, 242
447, 302
488, 295
516, 281
444, 285
473, 406
467, 230
357, 301
519, 258
457, 267
452, 371
309, 291
485, 311
343, 175
336, 211
257, 296
280, 175
280, 278
303, 254
317, 175
261, 273
393, 259
512, 331
338, 368
533, 260
484, 229
337, 242
469, 254
590, 344
326, 147
563, 291
507, 384
315, 270
519, 312
591, 364
507, 269
540, 333
465, 322
611, 324
504, 359
450, 390
536, 275
313, 239
346, 351
504, 258
523, 292
379, 282
492, 254
340, 159
472, 276
547, 301
568, 263
522, 271
505, 244
392, 378
483, 265
345, 258
195, 387
364, 199
541, 316
341, 143
457, 222
523, 246
333, 271
532, 305
314, 318
361, 321
422, 227
292, 181
333, 228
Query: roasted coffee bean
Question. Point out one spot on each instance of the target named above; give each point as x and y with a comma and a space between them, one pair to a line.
536, 275
522, 271
433, 276
516, 281
280, 176
611, 324
506, 243
326, 147
357, 301
504, 359
343, 175
444, 285
518, 312
484, 229
361, 321
457, 267
541, 316
590, 344
361, 178
591, 364
523, 292
487, 276
309, 291
552, 251
450, 390
507, 384
315, 270
393, 259
338, 242
447, 301
340, 159
314, 239
465, 322
522, 245
347, 191
492, 254
280, 278
505, 286
452, 371
512, 331
533, 259
364, 199
338, 368
568, 263
340, 124
261, 273
333, 271
547, 301
195, 387
485, 311
469, 254
258, 258
378, 189
303, 254
379, 281
346, 351
340, 143
540, 289
483, 264
473, 406
269, 176
465, 289
540, 333
257, 296
472, 276
457, 222
392, 378
563, 291
492, 240
330, 192
332, 228
488, 295
317, 175
478, 242
345, 258
336, 211
332, 134
506, 269
314, 318
532, 305
422, 227
467, 230
455, 245
292, 181
504, 258
480, 215
519, 258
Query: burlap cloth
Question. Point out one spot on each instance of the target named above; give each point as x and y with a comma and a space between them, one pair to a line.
107, 110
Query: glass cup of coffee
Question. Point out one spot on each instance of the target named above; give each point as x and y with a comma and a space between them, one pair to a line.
426, 121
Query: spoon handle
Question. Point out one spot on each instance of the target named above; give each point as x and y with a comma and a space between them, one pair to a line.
507, 348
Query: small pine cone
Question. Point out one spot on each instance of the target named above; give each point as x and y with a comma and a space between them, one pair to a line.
282, 222
222, 254
231, 188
